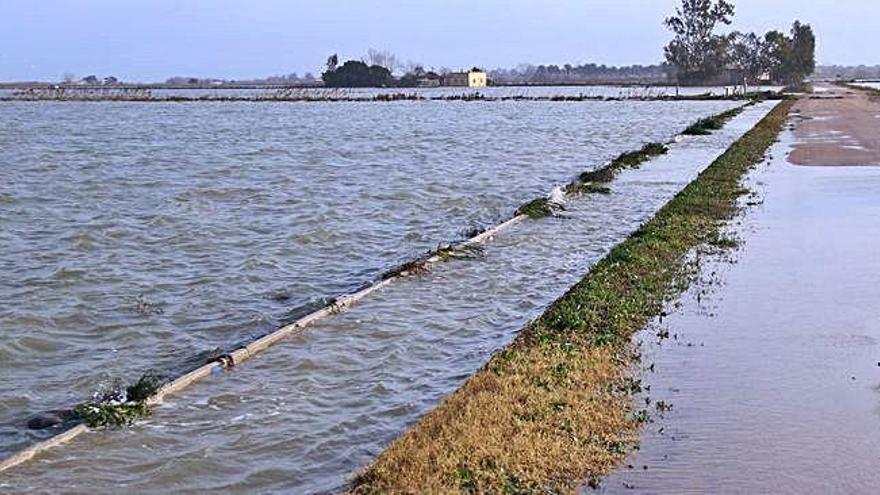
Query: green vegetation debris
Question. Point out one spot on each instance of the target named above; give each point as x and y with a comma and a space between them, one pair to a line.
539, 208
118, 407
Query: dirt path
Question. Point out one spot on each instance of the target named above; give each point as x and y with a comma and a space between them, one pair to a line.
771, 365
838, 126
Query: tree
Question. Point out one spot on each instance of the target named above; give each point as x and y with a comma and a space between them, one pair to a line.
776, 50
332, 62
413, 77
357, 74
803, 52
696, 51
747, 53
791, 59
383, 58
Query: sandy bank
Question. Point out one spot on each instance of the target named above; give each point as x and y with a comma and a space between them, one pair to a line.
840, 127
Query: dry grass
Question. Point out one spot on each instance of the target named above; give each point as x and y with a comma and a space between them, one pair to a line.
553, 410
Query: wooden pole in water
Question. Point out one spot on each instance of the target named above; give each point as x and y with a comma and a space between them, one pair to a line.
242, 354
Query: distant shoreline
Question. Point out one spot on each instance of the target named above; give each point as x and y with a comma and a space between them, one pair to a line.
202, 87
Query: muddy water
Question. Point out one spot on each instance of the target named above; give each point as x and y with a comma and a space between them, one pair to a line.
773, 375
304, 416
136, 236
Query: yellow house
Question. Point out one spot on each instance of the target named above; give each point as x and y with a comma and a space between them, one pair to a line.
474, 78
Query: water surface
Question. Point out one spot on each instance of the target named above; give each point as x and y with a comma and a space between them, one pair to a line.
305, 415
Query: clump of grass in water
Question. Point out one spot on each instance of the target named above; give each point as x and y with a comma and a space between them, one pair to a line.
461, 252
414, 267
118, 407
574, 354
604, 174
636, 158
539, 208
587, 188
705, 126
587, 181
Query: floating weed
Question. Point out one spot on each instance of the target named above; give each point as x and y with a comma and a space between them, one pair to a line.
148, 384
97, 414
116, 406
280, 295
145, 307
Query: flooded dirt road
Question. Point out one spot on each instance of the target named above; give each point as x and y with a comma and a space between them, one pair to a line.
771, 365
840, 127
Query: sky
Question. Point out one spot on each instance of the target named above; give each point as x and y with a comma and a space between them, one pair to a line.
237, 39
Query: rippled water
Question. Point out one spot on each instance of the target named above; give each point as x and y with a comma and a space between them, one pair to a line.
207, 222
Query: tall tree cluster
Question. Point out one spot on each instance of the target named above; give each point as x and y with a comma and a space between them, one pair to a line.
697, 51
585, 73
700, 54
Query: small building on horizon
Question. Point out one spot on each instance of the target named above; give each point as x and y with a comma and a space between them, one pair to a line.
430, 80
474, 78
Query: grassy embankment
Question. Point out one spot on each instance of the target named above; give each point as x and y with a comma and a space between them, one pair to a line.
593, 181
554, 408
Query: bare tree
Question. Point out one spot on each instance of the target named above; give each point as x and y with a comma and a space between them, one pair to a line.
332, 62
383, 58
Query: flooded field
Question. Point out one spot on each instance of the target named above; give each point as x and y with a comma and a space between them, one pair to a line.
490, 92
773, 378
872, 84
197, 226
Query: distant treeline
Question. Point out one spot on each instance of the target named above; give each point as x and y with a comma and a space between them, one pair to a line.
583, 74
847, 72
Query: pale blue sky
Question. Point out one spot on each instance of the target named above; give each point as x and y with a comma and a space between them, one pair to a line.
154, 39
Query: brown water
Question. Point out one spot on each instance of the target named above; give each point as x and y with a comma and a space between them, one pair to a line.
774, 375
138, 236
304, 416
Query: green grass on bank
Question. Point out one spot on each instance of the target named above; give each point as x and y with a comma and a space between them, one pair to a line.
554, 408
